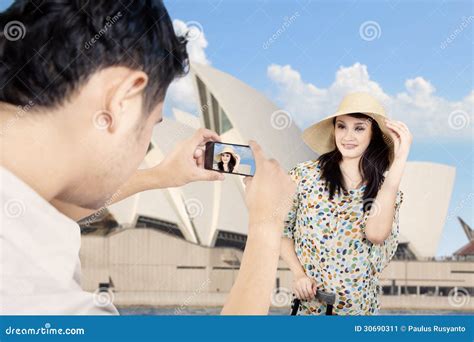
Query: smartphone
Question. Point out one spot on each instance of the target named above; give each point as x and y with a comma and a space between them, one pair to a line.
229, 158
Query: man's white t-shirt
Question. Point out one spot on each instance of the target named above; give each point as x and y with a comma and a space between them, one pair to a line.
40, 268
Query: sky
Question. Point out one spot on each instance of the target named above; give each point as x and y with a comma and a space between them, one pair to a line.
416, 57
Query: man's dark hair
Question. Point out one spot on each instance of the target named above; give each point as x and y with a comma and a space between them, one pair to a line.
48, 49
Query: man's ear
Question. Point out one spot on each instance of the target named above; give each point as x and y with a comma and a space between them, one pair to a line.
127, 93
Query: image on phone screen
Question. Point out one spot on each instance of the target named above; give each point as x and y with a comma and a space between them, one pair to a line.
229, 158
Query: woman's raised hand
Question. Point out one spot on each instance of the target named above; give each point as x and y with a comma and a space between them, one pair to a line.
401, 136
304, 287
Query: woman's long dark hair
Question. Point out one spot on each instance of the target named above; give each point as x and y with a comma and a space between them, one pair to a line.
231, 163
373, 163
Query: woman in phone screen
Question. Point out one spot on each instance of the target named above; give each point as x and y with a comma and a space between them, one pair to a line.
228, 160
343, 228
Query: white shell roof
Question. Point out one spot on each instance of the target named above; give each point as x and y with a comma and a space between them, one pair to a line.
202, 208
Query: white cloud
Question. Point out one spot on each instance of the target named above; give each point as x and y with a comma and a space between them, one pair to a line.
181, 93
418, 106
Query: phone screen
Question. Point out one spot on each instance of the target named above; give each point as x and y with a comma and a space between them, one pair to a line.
229, 158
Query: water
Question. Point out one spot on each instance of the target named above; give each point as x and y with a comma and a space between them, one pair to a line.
154, 311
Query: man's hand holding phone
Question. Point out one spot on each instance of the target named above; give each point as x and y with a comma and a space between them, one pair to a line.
268, 198
185, 163
269, 194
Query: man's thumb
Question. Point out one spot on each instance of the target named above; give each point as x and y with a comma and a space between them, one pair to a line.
208, 175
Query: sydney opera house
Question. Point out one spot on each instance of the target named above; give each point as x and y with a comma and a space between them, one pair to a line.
183, 246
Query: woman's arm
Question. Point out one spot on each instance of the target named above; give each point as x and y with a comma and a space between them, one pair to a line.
380, 219
288, 254
303, 286
237, 163
382, 209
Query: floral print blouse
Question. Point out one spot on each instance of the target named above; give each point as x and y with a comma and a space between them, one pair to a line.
331, 246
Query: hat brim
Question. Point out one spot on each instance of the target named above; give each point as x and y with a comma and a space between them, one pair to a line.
320, 136
218, 158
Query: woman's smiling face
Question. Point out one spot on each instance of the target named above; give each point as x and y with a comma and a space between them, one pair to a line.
352, 135
225, 157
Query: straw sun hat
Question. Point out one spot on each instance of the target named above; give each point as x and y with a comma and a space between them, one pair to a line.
320, 136
227, 149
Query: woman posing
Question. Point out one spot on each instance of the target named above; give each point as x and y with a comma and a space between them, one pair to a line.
228, 160
343, 228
